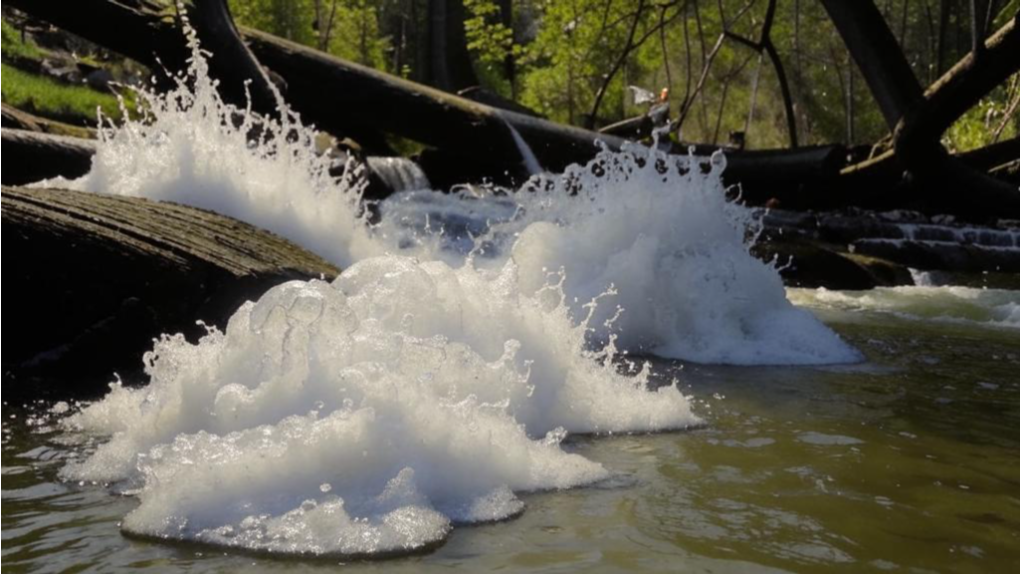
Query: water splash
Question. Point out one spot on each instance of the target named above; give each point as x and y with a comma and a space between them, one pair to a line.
654, 229
423, 391
657, 230
422, 395
193, 148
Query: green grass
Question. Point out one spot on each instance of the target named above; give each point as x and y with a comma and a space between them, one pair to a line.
48, 98
13, 48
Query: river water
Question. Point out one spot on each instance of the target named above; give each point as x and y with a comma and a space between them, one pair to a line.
907, 462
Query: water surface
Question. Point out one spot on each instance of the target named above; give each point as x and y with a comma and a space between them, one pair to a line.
909, 462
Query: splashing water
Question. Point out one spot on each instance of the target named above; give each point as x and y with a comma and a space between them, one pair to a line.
189, 148
419, 401
659, 230
655, 230
370, 415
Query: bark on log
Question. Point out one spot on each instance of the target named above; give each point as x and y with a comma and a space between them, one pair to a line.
34, 156
20, 120
103, 275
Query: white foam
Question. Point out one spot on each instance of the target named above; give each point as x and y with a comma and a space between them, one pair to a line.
657, 231
997, 308
422, 395
660, 231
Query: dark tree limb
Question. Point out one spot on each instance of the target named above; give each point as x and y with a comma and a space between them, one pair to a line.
918, 119
963, 86
878, 55
231, 61
768, 48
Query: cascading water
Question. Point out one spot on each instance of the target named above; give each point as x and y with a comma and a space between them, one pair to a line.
369, 415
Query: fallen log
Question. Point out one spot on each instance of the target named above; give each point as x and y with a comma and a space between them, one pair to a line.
34, 156
21, 120
100, 276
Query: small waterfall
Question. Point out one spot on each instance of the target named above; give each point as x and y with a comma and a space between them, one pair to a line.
528, 158
398, 173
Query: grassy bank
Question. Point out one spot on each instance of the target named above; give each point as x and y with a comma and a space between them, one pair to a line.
48, 98
42, 95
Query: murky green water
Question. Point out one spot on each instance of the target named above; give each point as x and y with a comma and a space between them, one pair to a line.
909, 462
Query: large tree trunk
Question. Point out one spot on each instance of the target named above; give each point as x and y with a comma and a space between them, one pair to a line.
104, 275
449, 61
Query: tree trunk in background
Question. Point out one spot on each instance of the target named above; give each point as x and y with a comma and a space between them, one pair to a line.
506, 14
945, 6
450, 64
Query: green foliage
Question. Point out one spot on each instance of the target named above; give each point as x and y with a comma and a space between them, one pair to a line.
979, 126
577, 46
49, 98
488, 37
345, 28
557, 56
14, 48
